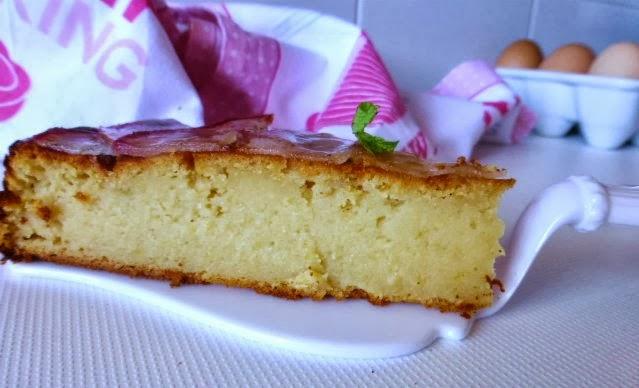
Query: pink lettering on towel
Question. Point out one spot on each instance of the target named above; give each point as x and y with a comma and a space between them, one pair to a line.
133, 9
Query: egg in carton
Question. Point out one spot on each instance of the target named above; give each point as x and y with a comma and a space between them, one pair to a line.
573, 86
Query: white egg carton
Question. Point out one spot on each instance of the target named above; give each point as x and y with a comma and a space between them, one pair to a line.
606, 108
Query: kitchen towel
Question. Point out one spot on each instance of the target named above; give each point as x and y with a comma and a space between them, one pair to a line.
78, 63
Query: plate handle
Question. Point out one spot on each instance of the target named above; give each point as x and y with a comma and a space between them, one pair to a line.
624, 205
580, 201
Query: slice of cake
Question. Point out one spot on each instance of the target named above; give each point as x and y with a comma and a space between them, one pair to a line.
287, 214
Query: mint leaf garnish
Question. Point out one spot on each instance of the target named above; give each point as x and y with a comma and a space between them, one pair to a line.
375, 144
364, 115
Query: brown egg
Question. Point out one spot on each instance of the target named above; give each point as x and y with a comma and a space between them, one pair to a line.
523, 53
618, 60
571, 58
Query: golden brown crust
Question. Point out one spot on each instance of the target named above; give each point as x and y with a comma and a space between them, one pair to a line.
120, 164
282, 290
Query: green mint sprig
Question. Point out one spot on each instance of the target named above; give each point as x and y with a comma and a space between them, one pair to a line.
364, 115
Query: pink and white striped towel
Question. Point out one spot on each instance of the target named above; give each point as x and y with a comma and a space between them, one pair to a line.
324, 68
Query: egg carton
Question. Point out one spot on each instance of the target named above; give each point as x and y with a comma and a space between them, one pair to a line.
605, 108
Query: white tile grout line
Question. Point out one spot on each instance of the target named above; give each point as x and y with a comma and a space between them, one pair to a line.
532, 21
359, 7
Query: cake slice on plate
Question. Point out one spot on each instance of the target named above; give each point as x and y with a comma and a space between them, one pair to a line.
287, 214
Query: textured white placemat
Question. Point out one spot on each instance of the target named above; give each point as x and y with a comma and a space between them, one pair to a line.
574, 322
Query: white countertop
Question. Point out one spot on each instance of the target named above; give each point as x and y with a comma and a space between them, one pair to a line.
574, 321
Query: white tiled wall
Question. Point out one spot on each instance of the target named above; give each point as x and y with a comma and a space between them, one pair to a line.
597, 23
421, 39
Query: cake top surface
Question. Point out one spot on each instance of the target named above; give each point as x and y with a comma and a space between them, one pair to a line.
244, 136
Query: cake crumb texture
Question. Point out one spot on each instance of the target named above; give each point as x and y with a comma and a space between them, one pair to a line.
286, 227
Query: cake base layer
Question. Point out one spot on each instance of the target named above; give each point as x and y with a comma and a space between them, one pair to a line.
286, 227
177, 278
